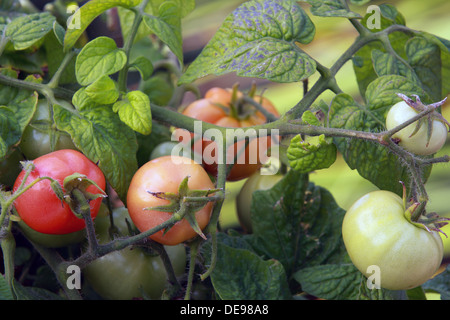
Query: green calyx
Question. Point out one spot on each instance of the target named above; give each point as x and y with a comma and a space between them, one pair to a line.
429, 118
185, 203
74, 193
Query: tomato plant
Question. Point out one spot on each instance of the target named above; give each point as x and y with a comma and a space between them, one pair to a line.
41, 137
165, 175
136, 273
377, 233
115, 79
40, 208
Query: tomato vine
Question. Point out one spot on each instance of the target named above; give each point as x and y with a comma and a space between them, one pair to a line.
108, 115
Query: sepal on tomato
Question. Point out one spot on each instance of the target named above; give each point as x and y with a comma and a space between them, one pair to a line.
420, 107
427, 221
184, 204
76, 194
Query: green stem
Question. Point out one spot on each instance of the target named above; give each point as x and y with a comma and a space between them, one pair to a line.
53, 83
123, 74
194, 246
8, 245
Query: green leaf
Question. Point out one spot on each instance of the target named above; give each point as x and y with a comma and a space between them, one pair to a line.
5, 290
54, 55
167, 27
386, 64
17, 107
373, 161
259, 39
103, 91
444, 46
10, 131
135, 111
98, 132
240, 274
297, 223
362, 60
439, 284
33, 293
331, 8
81, 99
27, 30
425, 59
313, 153
99, 57
144, 66
152, 8
331, 281
83, 17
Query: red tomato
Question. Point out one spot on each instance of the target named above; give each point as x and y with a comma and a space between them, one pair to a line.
219, 108
165, 174
40, 208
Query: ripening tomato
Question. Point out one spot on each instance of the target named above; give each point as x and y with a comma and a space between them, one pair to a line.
40, 208
219, 108
165, 174
377, 235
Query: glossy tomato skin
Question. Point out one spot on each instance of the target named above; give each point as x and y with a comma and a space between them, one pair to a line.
130, 273
165, 174
417, 143
255, 182
36, 138
57, 240
40, 208
215, 108
376, 233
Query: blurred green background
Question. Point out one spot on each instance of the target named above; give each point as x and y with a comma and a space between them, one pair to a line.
333, 37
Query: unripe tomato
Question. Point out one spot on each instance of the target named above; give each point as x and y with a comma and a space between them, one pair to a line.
37, 136
130, 273
255, 182
40, 208
10, 167
417, 143
165, 174
218, 107
376, 233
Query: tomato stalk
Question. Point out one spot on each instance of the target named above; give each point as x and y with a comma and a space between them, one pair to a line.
194, 246
8, 245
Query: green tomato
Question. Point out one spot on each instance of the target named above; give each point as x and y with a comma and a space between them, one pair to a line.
257, 181
130, 273
446, 240
378, 236
10, 167
41, 137
52, 240
163, 149
417, 143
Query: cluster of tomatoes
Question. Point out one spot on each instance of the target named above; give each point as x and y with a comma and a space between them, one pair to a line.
48, 221
375, 229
